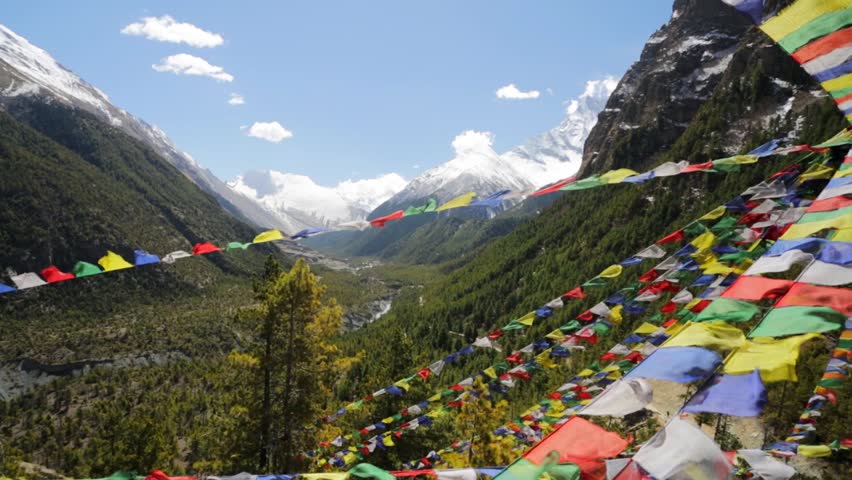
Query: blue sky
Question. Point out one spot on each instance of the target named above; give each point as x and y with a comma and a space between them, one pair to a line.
365, 87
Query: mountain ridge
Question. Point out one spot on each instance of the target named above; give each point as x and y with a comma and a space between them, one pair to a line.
29, 73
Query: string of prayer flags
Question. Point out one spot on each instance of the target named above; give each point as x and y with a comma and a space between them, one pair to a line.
736, 395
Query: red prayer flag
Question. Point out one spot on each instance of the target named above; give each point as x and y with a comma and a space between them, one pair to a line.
555, 396
649, 276
753, 288
575, 293
804, 294
670, 307
668, 323
634, 357
554, 188
205, 248
424, 373
829, 204
586, 316
515, 358
495, 334
700, 306
581, 442
698, 167
608, 356
675, 236
52, 274
381, 221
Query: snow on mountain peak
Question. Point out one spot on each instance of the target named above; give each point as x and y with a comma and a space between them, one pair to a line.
41, 70
299, 197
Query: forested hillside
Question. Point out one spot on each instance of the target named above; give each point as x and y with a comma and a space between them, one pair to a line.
149, 366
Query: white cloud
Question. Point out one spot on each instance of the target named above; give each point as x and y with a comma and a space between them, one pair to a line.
236, 99
186, 64
511, 92
269, 131
166, 29
471, 141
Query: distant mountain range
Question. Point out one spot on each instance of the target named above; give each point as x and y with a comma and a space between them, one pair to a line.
475, 167
297, 197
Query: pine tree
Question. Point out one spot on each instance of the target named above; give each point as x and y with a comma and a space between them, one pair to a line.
297, 361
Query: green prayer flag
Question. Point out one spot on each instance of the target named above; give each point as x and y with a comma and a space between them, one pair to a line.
430, 206
236, 246
591, 182
795, 320
570, 326
724, 223
695, 228
595, 282
822, 216
83, 269
831, 382
729, 310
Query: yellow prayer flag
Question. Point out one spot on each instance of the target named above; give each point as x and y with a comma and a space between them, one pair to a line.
403, 385
387, 441
812, 451
708, 334
615, 375
715, 213
435, 398
611, 271
692, 303
113, 261
816, 172
646, 328
268, 236
674, 329
704, 241
460, 201
799, 14
555, 335
839, 83
617, 176
842, 235
387, 420
843, 173
586, 373
776, 359
527, 319
615, 314
801, 230
491, 372
544, 359
348, 458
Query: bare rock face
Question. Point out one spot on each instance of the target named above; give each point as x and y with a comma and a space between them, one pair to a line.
707, 51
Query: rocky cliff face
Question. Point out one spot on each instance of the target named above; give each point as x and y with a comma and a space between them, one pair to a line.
708, 56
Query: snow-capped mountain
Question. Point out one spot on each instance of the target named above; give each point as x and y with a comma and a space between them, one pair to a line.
28, 73
299, 198
544, 159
